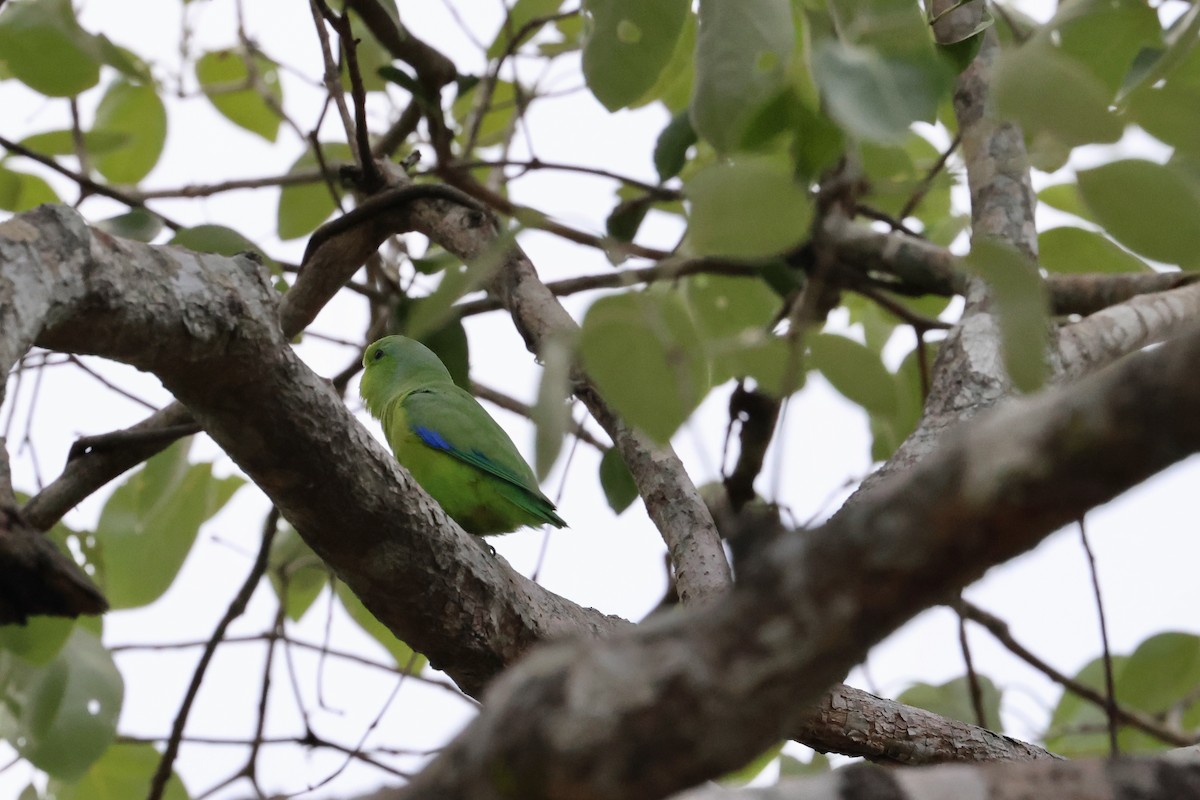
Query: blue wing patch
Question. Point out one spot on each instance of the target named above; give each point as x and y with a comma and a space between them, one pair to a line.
432, 438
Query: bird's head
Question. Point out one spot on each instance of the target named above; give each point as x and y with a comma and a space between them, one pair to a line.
395, 365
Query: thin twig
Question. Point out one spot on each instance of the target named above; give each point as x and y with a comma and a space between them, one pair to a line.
1137, 719
1110, 689
923, 187
158, 783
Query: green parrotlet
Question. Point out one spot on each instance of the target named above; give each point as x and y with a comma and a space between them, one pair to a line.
450, 444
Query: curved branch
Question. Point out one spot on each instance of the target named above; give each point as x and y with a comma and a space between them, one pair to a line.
218, 347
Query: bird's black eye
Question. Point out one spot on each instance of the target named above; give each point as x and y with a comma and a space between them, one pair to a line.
378, 354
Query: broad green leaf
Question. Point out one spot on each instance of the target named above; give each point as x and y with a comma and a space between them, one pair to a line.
1170, 114
1066, 197
552, 412
953, 699
38, 640
888, 431
742, 53
774, 362
1070, 105
854, 370
1104, 36
62, 716
137, 112
1078, 727
125, 61
674, 85
297, 574
521, 22
401, 653
1162, 670
876, 96
750, 208
670, 151
620, 490
241, 97
137, 224
1019, 297
627, 44
641, 349
20, 191
626, 217
43, 46
124, 771
214, 239
153, 518
1079, 250
303, 207
726, 306
1149, 208
97, 141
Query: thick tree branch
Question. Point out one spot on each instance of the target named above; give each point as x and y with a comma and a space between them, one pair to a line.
218, 347
699, 693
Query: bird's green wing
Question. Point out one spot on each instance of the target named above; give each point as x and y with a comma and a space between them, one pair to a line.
449, 419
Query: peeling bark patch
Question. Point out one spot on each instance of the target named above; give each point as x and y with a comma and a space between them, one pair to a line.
18, 230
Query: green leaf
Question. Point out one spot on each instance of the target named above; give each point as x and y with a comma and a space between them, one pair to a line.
226, 81
372, 55
303, 207
1022, 307
43, 46
137, 224
674, 85
20, 191
953, 699
855, 370
626, 217
620, 490
641, 349
214, 239
124, 771
895, 173
670, 150
726, 306
153, 518
749, 208
38, 640
1160, 224
1162, 670
742, 54
1078, 727
1079, 250
552, 412
137, 113
1104, 36
627, 44
429, 313
401, 653
61, 717
1066, 197
62, 142
297, 574
523, 13
1171, 114
876, 96
1070, 105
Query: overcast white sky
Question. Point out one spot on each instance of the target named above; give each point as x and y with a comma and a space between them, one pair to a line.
1145, 543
